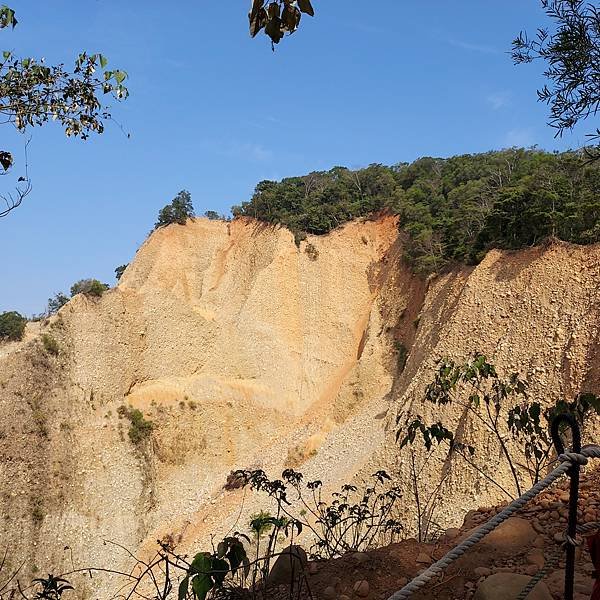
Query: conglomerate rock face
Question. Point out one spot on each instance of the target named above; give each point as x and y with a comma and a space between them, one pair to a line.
245, 351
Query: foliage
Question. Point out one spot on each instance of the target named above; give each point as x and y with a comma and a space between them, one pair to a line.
89, 287
50, 344
572, 55
33, 93
502, 407
449, 210
213, 215
12, 326
261, 523
178, 211
352, 520
51, 588
140, 429
277, 17
56, 303
119, 271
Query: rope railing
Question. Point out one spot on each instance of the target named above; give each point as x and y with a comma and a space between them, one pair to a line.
568, 460
554, 559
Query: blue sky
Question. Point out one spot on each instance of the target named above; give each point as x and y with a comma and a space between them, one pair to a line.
214, 112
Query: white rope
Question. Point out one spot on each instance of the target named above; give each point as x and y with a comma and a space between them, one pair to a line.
566, 459
554, 559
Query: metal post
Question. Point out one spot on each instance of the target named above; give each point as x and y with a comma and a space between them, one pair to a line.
573, 473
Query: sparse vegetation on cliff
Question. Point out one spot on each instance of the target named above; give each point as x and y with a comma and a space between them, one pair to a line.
89, 287
140, 429
453, 209
179, 210
50, 344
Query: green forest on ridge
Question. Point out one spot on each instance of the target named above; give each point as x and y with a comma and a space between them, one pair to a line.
451, 210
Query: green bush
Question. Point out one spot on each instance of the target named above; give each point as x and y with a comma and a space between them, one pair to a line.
50, 344
139, 428
178, 211
89, 287
12, 326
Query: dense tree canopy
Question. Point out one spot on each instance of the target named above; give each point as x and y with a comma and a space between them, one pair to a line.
33, 94
451, 209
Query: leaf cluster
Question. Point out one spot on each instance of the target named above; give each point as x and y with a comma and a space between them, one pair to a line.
571, 52
502, 406
277, 17
208, 570
33, 93
349, 520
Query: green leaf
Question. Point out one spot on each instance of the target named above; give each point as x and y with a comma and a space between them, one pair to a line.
183, 588
201, 585
220, 568
201, 563
120, 76
103, 60
236, 556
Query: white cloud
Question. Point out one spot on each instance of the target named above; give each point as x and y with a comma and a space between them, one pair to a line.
251, 151
521, 137
498, 100
473, 47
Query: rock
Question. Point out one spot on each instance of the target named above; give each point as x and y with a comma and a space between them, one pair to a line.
313, 568
361, 588
452, 533
514, 534
538, 526
289, 565
329, 593
360, 557
556, 583
507, 586
536, 557
343, 597
423, 558
402, 581
482, 572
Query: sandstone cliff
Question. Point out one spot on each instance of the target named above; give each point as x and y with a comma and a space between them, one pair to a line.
246, 351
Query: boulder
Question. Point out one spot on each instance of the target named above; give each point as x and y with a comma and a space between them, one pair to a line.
289, 566
513, 535
507, 586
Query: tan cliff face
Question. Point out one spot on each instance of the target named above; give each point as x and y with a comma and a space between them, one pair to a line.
248, 352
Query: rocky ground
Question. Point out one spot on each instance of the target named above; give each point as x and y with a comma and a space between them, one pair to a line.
503, 561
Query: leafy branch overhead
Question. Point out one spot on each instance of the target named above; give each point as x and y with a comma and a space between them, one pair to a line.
33, 93
571, 52
277, 18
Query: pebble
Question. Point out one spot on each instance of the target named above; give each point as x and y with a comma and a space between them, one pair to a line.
361, 588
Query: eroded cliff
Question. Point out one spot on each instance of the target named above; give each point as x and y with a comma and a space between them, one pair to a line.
245, 351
